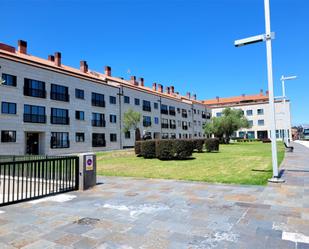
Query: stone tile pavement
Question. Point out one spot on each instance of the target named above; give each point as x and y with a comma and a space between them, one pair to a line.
145, 213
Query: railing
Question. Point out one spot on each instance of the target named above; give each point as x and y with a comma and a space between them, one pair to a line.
164, 126
146, 108
172, 112
172, 126
34, 118
31, 179
33, 92
185, 127
98, 123
98, 143
146, 124
99, 103
60, 96
60, 120
163, 111
184, 115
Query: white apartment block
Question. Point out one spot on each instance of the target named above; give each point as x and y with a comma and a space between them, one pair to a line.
256, 110
50, 108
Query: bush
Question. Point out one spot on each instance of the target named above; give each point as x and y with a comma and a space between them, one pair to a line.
266, 140
183, 148
137, 148
164, 149
198, 144
212, 144
148, 149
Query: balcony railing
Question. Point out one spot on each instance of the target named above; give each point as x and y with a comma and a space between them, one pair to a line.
164, 126
163, 111
60, 120
60, 96
184, 115
172, 126
98, 123
34, 118
146, 123
100, 103
146, 108
172, 112
204, 115
33, 92
98, 143
185, 127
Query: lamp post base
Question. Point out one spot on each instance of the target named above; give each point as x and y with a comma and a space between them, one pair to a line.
276, 180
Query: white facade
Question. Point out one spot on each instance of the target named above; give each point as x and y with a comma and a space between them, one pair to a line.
258, 115
26, 133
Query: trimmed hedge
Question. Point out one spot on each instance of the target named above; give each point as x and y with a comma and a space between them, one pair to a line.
137, 148
198, 144
148, 148
164, 149
212, 144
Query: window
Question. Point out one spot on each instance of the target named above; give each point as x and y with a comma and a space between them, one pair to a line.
79, 137
194, 111
241, 134
79, 94
173, 136
146, 121
184, 113
79, 115
164, 123
172, 110
164, 109
164, 136
9, 80
98, 119
172, 124
8, 136
112, 100
219, 114
184, 125
249, 112
98, 140
59, 140
127, 135
8, 108
34, 88
112, 118
60, 93
136, 101
250, 135
34, 114
260, 111
155, 105
250, 123
146, 106
113, 137
156, 120
97, 99
59, 116
261, 122
126, 99
178, 111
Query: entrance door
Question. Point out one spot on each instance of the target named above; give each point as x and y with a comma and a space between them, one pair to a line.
262, 134
32, 143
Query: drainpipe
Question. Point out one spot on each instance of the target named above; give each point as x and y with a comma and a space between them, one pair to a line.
120, 117
160, 121
192, 123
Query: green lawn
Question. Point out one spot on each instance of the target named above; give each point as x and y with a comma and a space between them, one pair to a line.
240, 163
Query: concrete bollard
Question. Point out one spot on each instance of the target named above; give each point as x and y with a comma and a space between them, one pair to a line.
87, 171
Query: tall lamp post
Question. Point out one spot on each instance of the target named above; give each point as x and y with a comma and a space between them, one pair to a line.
267, 37
286, 128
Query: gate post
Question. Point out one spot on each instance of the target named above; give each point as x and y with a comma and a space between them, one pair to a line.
87, 171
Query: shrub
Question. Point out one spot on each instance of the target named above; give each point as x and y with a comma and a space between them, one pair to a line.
182, 148
198, 144
148, 149
212, 144
266, 140
137, 148
164, 149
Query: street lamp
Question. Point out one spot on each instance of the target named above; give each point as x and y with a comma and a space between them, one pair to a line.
267, 37
285, 130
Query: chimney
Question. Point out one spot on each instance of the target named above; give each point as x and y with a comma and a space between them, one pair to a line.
168, 90
51, 58
188, 95
194, 96
177, 93
243, 95
108, 71
58, 59
22, 47
154, 86
172, 89
133, 80
160, 88
83, 66
218, 98
261, 92
141, 80
267, 93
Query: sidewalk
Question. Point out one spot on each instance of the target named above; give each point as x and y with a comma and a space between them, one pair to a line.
151, 213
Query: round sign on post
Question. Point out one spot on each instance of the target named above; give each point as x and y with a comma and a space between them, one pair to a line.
89, 163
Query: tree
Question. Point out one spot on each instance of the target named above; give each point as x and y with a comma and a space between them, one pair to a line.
131, 120
223, 127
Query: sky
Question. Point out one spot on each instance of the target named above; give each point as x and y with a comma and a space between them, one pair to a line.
185, 43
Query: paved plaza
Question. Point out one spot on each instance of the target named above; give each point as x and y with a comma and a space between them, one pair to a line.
144, 213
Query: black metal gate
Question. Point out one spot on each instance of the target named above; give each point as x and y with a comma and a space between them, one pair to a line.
31, 179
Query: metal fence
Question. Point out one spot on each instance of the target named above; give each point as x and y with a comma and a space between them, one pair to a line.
34, 178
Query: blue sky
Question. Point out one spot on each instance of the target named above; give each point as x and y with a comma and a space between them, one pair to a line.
185, 43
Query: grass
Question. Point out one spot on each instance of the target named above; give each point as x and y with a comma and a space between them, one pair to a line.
239, 163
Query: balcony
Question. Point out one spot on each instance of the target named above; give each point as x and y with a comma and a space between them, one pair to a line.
60, 120
163, 111
204, 115
184, 127
99, 103
184, 115
34, 118
60, 96
98, 143
33, 92
172, 112
98, 123
173, 126
164, 126
146, 108
146, 123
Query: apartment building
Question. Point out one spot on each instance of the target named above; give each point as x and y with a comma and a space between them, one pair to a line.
256, 109
50, 108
